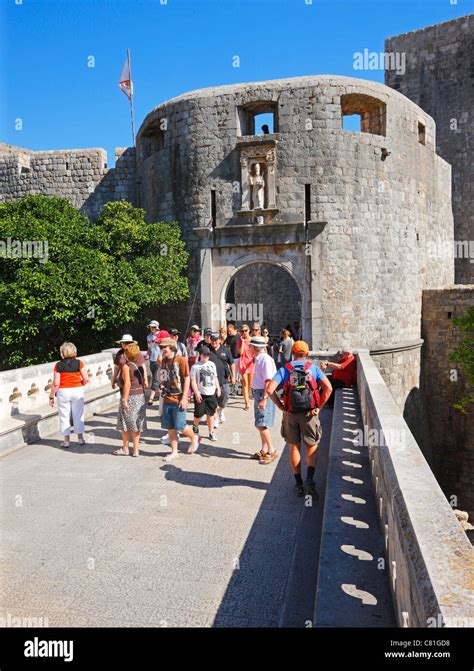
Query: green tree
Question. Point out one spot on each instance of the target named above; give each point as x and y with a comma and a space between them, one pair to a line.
93, 279
464, 356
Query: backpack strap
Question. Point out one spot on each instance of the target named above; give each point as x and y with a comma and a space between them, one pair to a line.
286, 387
313, 383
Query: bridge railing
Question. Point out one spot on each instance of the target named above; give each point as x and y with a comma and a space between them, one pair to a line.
430, 559
25, 414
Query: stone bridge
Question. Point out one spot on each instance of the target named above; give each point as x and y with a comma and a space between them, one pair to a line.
216, 539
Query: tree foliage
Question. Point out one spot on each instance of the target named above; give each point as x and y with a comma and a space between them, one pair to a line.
93, 281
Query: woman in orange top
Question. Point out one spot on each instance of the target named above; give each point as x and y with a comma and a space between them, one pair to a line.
246, 363
69, 379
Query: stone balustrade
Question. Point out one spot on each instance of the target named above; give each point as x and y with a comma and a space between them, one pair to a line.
25, 413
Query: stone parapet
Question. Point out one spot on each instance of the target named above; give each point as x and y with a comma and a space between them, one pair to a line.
430, 559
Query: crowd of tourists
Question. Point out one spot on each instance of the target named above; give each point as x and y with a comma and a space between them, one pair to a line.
205, 370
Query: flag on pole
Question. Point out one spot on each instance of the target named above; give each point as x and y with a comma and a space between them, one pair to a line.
125, 82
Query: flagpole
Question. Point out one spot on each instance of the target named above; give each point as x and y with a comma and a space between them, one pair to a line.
131, 96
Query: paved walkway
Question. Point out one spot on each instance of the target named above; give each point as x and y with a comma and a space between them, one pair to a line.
212, 539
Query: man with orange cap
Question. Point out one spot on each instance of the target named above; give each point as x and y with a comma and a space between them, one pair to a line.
301, 405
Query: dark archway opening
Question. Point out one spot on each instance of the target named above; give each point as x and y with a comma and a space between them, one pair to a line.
264, 293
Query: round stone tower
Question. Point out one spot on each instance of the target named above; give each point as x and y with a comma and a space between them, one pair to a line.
291, 216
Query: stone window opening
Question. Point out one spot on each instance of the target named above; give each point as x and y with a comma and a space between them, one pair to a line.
259, 118
372, 113
152, 140
421, 133
213, 209
24, 165
307, 203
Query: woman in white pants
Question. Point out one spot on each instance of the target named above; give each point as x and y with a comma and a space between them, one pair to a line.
70, 376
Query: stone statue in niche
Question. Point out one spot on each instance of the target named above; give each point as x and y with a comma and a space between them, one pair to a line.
257, 182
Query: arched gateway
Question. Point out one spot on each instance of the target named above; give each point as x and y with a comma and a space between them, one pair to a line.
259, 280
266, 293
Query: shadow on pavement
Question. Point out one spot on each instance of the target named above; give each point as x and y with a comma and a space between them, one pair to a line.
274, 582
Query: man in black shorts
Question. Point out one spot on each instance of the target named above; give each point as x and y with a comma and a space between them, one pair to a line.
221, 356
206, 388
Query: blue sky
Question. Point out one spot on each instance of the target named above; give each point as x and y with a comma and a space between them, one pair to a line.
176, 46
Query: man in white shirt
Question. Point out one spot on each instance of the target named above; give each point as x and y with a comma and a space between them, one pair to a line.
264, 409
206, 388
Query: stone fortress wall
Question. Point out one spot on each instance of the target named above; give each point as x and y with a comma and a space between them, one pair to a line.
451, 436
80, 175
349, 214
439, 78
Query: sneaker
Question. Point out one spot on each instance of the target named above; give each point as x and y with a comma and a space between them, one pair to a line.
310, 490
195, 429
298, 490
166, 440
221, 417
213, 437
216, 423
193, 447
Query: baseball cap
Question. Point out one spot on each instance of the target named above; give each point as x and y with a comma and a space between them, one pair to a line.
174, 332
162, 334
207, 331
195, 327
154, 323
300, 347
215, 335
